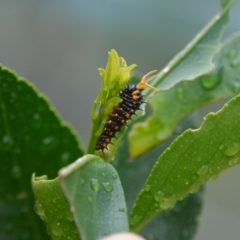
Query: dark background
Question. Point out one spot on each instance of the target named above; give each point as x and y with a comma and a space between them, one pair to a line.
59, 45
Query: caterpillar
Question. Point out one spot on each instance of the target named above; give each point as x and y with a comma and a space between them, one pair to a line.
132, 99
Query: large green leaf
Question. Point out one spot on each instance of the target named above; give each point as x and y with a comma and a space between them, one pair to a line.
192, 159
32, 139
96, 197
196, 59
178, 222
169, 107
52, 207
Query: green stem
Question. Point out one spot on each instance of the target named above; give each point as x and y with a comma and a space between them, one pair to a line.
93, 139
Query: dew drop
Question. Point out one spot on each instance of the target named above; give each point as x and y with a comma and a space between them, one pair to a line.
135, 220
221, 147
114, 176
158, 196
38, 207
95, 184
7, 142
16, 172
203, 170
121, 209
232, 150
214, 177
57, 229
194, 189
65, 156
69, 216
147, 188
36, 116
210, 82
168, 203
48, 140
233, 161
107, 187
48, 143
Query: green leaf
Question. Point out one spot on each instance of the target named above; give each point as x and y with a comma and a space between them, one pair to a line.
32, 139
192, 159
196, 59
96, 197
173, 224
52, 207
169, 107
179, 223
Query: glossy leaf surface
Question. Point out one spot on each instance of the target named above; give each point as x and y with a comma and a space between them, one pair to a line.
96, 197
196, 59
53, 208
169, 107
173, 224
32, 139
192, 159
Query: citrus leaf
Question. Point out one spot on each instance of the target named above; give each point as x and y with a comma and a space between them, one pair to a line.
169, 107
174, 224
196, 59
192, 159
96, 197
32, 139
52, 207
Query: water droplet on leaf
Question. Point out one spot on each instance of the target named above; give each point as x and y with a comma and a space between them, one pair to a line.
57, 229
232, 150
121, 210
7, 142
65, 156
168, 203
203, 170
48, 140
107, 187
114, 176
69, 216
38, 207
209, 81
95, 184
159, 196
214, 177
147, 188
135, 220
233, 161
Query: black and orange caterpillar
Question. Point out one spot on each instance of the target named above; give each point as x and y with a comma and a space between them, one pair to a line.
132, 99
